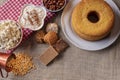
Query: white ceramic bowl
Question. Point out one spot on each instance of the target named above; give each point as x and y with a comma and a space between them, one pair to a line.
36, 8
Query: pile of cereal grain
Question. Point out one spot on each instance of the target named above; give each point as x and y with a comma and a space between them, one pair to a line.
22, 64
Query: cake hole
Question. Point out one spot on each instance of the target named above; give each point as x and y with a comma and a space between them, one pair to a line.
93, 17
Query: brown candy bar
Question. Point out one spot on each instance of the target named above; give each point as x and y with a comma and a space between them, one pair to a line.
60, 45
48, 55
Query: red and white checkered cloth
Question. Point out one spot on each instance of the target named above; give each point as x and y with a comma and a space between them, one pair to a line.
12, 9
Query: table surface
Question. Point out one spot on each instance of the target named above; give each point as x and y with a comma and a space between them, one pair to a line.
74, 63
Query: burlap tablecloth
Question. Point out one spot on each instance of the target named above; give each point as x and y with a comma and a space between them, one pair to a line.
74, 63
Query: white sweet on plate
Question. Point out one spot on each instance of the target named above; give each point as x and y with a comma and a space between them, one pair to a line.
32, 17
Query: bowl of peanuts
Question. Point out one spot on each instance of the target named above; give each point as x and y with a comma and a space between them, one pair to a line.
54, 5
10, 34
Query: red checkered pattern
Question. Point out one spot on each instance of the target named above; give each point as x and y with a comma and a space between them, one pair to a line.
12, 9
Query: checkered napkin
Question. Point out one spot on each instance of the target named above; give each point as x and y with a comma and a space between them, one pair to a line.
12, 9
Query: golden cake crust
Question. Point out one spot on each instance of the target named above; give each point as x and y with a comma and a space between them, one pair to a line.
87, 29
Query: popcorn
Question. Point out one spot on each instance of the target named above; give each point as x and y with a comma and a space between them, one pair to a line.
10, 34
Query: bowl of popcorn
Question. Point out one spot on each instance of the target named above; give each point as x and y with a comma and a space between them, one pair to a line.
54, 5
10, 34
32, 17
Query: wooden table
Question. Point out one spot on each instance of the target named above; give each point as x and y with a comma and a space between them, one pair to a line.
74, 63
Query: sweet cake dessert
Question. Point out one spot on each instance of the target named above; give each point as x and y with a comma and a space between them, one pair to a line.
92, 19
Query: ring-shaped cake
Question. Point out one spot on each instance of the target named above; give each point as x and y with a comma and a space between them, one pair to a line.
92, 19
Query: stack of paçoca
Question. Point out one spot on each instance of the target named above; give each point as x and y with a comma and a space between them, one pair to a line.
50, 36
